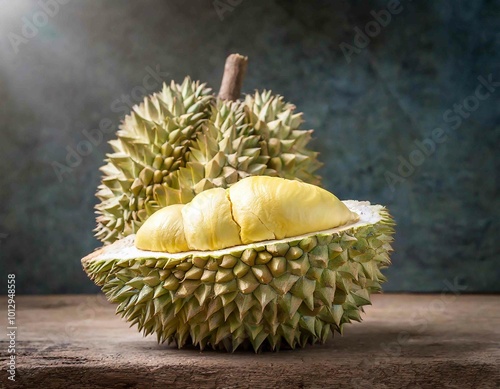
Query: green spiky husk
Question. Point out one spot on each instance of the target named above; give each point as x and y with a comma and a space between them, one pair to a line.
266, 296
183, 140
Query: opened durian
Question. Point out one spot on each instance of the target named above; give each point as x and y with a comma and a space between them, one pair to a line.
183, 140
268, 262
206, 245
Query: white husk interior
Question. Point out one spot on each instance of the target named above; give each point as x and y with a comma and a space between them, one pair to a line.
125, 248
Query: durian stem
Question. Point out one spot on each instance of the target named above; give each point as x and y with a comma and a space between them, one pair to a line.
232, 80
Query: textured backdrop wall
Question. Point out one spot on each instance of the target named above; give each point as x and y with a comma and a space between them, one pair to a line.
404, 97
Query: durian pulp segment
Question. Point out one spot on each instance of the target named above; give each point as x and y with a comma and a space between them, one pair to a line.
252, 210
275, 208
208, 222
168, 234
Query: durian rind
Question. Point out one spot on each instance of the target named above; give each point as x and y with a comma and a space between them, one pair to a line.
287, 292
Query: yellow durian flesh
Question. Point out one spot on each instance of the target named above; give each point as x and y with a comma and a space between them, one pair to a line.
163, 231
208, 221
275, 208
254, 209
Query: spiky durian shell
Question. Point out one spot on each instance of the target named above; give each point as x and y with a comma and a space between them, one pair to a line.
184, 140
269, 294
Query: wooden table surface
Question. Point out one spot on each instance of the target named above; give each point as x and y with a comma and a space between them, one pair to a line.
405, 341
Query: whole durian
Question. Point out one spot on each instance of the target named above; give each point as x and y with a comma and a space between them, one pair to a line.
184, 140
267, 263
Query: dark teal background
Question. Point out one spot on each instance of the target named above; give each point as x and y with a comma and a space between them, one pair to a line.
369, 113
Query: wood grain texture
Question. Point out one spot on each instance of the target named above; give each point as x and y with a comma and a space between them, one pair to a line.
405, 341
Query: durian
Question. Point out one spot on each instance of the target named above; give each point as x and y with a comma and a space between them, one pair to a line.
203, 244
267, 263
184, 140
